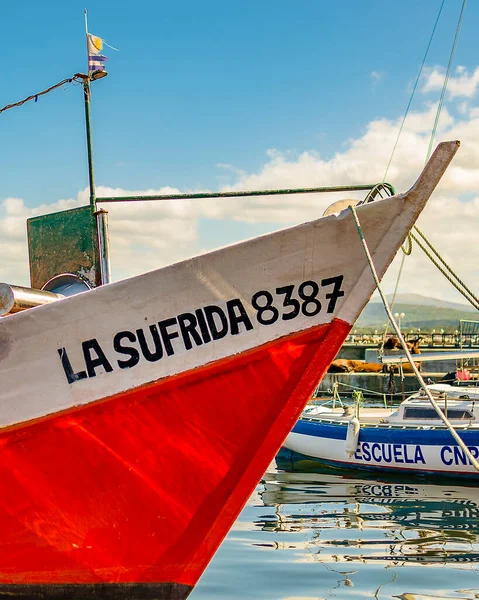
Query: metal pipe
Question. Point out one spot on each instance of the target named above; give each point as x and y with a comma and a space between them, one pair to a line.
14, 298
200, 195
91, 173
103, 244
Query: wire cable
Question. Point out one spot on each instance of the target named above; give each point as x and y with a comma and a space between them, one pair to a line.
446, 79
35, 97
414, 90
408, 249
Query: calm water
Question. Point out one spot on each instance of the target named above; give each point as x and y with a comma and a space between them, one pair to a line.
309, 534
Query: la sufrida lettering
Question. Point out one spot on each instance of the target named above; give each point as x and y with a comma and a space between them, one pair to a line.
156, 341
204, 325
389, 453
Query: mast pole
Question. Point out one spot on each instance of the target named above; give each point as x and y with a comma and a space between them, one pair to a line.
101, 215
86, 98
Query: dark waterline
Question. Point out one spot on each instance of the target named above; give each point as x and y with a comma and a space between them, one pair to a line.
309, 534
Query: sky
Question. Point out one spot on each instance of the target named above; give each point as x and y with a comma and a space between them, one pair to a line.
248, 95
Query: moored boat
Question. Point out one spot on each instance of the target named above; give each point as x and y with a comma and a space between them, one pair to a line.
137, 417
411, 437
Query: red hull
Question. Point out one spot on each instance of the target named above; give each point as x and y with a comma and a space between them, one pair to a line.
142, 488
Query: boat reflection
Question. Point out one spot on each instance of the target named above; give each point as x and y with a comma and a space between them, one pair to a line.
345, 516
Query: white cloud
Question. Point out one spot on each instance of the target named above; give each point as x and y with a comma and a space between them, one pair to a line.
151, 234
13, 247
463, 108
463, 84
231, 168
377, 76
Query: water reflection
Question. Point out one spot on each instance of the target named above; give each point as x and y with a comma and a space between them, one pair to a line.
352, 517
312, 534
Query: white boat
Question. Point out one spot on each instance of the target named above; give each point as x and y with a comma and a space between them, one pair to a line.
411, 437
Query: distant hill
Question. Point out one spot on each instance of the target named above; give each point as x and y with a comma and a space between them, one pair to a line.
417, 299
426, 313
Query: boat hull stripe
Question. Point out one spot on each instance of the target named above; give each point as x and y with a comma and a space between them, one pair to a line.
344, 464
105, 591
430, 437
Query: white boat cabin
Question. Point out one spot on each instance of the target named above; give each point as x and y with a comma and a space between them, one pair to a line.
459, 403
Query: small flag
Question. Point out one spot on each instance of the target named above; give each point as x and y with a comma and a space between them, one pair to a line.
96, 60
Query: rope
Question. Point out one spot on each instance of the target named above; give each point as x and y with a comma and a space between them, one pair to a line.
37, 95
441, 415
403, 259
462, 288
407, 251
446, 80
414, 90
355, 387
448, 268
336, 396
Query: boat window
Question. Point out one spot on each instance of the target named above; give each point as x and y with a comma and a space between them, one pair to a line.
430, 413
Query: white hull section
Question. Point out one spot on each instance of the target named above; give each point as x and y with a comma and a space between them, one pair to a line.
128, 334
446, 458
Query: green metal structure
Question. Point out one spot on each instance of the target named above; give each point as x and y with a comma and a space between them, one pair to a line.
64, 242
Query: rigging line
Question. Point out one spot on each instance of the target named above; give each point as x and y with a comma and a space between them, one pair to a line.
419, 377
403, 259
446, 266
414, 90
355, 387
446, 79
408, 250
42, 93
431, 141
462, 291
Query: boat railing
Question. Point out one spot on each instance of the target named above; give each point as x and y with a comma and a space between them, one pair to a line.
246, 193
75, 242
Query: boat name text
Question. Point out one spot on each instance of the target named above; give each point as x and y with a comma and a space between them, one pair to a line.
204, 325
383, 453
454, 455
389, 453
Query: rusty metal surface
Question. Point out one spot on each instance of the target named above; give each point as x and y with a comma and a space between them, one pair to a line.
64, 242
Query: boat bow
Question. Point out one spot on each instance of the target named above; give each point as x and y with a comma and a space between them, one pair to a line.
136, 418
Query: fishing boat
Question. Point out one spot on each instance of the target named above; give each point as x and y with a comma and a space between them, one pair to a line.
137, 417
411, 437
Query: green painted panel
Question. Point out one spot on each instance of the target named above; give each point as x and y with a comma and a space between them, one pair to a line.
64, 242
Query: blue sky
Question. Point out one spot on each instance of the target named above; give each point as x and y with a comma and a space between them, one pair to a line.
196, 84
214, 94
